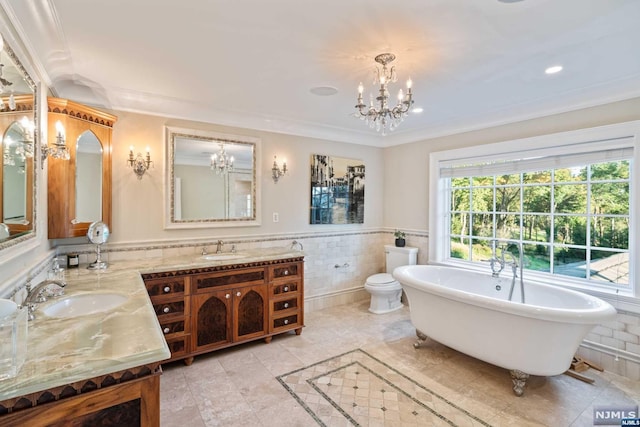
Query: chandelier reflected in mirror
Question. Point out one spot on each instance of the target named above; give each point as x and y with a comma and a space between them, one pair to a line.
23, 147
221, 162
378, 114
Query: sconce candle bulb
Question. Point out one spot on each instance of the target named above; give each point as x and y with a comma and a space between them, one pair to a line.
276, 171
139, 164
59, 130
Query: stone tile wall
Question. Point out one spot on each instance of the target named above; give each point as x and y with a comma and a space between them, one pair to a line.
615, 345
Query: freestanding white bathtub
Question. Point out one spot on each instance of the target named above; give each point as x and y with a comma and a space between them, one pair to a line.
470, 312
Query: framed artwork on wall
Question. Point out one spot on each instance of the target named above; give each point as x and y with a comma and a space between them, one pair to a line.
337, 190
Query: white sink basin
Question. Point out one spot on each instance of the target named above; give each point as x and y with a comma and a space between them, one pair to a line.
82, 305
222, 257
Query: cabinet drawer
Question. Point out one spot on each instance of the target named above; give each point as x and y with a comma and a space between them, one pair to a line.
178, 346
169, 328
244, 277
286, 304
157, 287
285, 322
283, 288
169, 308
286, 270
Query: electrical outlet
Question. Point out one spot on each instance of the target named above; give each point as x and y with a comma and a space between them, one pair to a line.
276, 217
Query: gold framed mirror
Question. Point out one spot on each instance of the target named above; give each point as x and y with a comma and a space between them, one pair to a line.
18, 122
211, 179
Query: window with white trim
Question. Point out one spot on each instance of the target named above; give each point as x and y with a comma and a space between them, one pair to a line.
568, 204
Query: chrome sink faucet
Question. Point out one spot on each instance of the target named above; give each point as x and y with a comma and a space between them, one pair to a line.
219, 246
40, 293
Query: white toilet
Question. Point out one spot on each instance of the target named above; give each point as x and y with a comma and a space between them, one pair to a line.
384, 289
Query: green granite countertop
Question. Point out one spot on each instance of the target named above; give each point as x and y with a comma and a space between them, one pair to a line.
65, 350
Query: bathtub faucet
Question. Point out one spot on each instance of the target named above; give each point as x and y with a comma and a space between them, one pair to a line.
515, 264
497, 264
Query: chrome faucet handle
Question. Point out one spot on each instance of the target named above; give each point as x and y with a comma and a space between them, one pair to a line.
40, 292
497, 265
219, 246
204, 250
233, 249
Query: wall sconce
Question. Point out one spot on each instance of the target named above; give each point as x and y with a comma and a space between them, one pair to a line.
58, 150
139, 164
276, 172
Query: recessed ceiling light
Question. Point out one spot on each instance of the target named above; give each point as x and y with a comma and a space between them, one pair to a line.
553, 70
417, 110
509, 1
323, 90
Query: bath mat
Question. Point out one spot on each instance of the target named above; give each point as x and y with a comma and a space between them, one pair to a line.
358, 389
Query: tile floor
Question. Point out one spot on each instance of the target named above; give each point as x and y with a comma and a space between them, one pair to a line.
377, 379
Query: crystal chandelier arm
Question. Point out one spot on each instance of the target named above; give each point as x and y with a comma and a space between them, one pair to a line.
381, 116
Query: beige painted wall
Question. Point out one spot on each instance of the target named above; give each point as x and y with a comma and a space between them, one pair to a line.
138, 205
406, 167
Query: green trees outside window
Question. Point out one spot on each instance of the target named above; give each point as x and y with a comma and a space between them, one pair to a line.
572, 221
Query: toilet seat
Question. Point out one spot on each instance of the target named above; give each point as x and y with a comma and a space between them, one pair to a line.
380, 279
385, 291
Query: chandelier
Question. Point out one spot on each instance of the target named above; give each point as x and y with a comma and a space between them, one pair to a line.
221, 162
380, 116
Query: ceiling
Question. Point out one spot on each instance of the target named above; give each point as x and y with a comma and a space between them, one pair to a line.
252, 63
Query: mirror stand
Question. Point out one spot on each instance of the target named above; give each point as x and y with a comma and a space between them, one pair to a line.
98, 264
98, 234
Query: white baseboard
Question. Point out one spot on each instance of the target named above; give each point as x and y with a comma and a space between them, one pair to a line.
335, 298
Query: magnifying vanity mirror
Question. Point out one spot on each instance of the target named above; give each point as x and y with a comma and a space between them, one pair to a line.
211, 179
19, 140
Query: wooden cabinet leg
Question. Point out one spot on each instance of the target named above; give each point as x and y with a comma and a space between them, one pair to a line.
298, 331
267, 339
188, 361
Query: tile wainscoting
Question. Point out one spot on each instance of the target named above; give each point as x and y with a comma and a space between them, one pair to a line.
357, 255
337, 264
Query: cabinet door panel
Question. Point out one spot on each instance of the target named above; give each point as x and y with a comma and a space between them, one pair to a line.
250, 312
212, 320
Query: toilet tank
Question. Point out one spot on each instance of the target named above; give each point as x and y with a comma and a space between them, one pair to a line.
397, 257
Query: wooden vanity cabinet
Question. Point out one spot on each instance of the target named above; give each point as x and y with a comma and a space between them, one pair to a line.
227, 305
172, 304
286, 298
76, 119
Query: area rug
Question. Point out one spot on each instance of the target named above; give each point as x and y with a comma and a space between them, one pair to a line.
355, 388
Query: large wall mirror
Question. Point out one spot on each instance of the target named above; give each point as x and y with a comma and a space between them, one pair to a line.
18, 109
211, 179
